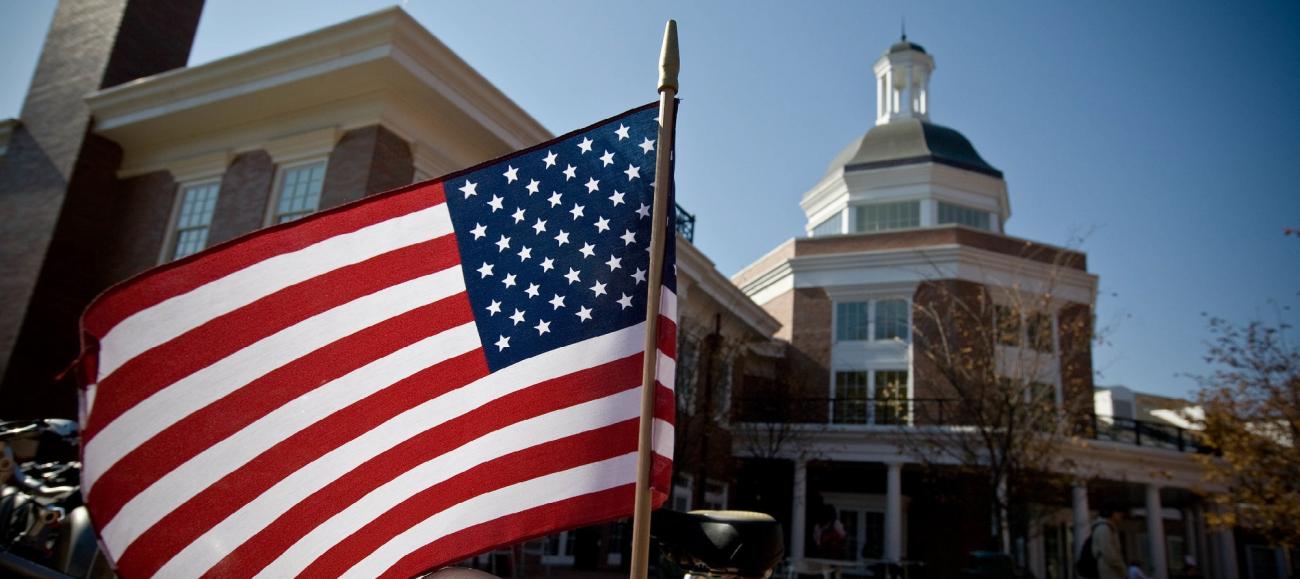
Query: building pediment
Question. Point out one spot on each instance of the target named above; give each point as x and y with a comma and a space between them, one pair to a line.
383, 68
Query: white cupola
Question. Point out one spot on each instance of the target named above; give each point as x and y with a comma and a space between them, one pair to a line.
903, 83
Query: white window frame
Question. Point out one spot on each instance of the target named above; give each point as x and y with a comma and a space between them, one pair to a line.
277, 187
563, 538
870, 400
857, 208
863, 504
871, 318
167, 253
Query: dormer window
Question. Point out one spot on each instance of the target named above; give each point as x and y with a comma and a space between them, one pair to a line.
961, 215
831, 226
888, 216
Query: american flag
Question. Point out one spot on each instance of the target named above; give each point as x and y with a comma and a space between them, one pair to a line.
392, 385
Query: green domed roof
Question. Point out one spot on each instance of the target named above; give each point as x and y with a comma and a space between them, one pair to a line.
911, 141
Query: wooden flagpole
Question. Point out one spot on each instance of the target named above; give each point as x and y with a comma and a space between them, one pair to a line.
669, 64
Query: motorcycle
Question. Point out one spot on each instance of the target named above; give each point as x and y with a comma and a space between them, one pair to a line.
712, 544
45, 529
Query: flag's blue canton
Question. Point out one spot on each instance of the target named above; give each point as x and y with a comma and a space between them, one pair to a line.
554, 242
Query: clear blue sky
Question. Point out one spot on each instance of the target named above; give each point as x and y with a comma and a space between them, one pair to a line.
1168, 132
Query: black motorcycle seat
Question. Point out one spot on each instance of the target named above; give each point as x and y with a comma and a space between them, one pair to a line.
737, 543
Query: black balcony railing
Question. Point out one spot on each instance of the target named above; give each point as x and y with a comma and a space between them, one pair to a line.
1147, 433
685, 224
913, 412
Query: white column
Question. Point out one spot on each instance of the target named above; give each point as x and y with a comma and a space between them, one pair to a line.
1156, 533
889, 93
1079, 494
799, 509
880, 99
911, 93
894, 512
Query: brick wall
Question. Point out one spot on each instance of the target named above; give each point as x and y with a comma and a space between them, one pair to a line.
141, 212
1075, 324
57, 182
243, 197
366, 161
942, 235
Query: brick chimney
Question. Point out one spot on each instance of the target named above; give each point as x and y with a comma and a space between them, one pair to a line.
57, 180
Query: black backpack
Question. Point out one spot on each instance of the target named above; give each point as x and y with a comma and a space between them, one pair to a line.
1085, 566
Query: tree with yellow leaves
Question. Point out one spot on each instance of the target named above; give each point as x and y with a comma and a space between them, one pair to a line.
1251, 402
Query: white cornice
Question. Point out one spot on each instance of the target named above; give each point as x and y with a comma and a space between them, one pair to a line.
693, 264
200, 167
919, 264
1087, 458
301, 146
382, 68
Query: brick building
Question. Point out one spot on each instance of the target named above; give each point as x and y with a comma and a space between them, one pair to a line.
123, 159
905, 312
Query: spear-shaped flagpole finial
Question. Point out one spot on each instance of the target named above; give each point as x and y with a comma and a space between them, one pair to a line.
669, 60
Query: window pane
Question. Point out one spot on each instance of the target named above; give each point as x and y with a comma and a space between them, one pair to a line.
950, 213
1008, 323
1039, 327
830, 226
891, 319
1040, 393
300, 189
891, 397
190, 241
851, 321
850, 397
887, 216
193, 218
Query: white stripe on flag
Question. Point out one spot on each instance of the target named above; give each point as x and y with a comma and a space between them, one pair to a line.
165, 321
518, 436
180, 485
191, 393
208, 549
516, 498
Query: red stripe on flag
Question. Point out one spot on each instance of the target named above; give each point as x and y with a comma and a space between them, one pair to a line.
184, 275
188, 522
574, 451
195, 433
589, 509
218, 338
667, 342
563, 392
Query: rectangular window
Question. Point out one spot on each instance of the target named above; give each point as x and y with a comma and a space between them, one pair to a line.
850, 398
1042, 393
851, 322
1008, 324
299, 191
828, 227
891, 397
874, 536
193, 219
950, 213
891, 319
887, 216
1039, 330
